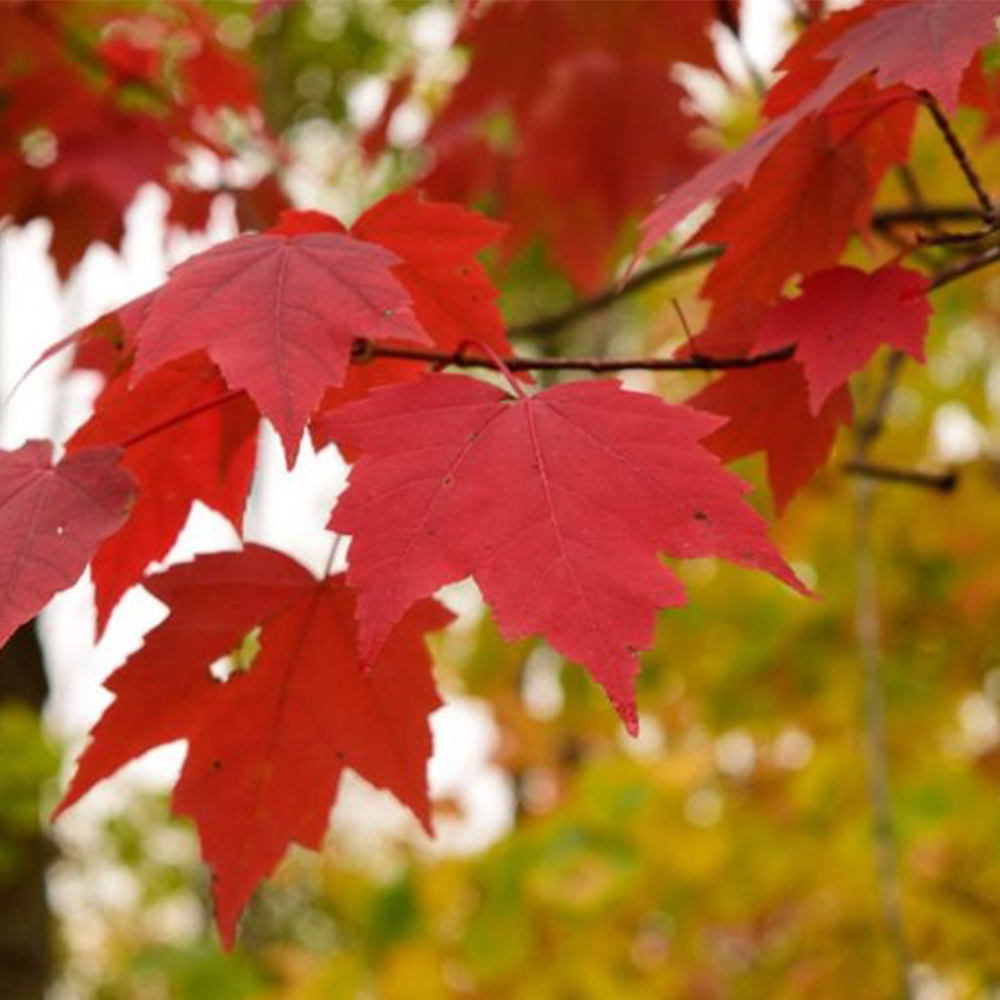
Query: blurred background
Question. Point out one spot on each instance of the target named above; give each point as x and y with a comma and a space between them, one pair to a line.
726, 852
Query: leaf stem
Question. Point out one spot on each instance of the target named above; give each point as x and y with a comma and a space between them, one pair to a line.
498, 363
337, 539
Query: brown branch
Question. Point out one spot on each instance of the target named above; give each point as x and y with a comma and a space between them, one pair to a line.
945, 482
949, 274
366, 350
886, 218
868, 430
959, 240
958, 151
882, 220
548, 325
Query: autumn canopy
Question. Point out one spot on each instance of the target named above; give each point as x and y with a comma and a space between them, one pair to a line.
570, 501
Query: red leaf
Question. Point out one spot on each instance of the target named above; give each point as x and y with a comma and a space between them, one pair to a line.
215, 77
607, 137
557, 504
52, 518
600, 124
267, 747
208, 457
278, 314
925, 44
375, 138
779, 225
768, 411
113, 156
190, 208
842, 317
453, 297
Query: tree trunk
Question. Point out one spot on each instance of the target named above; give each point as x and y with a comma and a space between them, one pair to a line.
26, 959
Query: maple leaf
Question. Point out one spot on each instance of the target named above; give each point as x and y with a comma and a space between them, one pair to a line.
453, 298
777, 226
435, 244
52, 517
842, 317
209, 456
267, 747
113, 156
278, 314
104, 345
926, 44
557, 504
601, 125
607, 137
768, 410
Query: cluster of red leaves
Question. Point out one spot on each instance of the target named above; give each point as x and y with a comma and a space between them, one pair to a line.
598, 126
791, 197
97, 103
558, 503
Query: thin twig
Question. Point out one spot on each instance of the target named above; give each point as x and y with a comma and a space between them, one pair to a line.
869, 429
687, 260
959, 153
547, 325
886, 218
519, 363
868, 631
949, 274
945, 482
941, 238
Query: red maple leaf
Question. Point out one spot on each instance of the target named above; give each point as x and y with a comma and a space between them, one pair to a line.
768, 410
557, 504
453, 298
842, 317
607, 137
926, 44
52, 518
267, 747
601, 125
808, 197
437, 243
278, 314
209, 456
